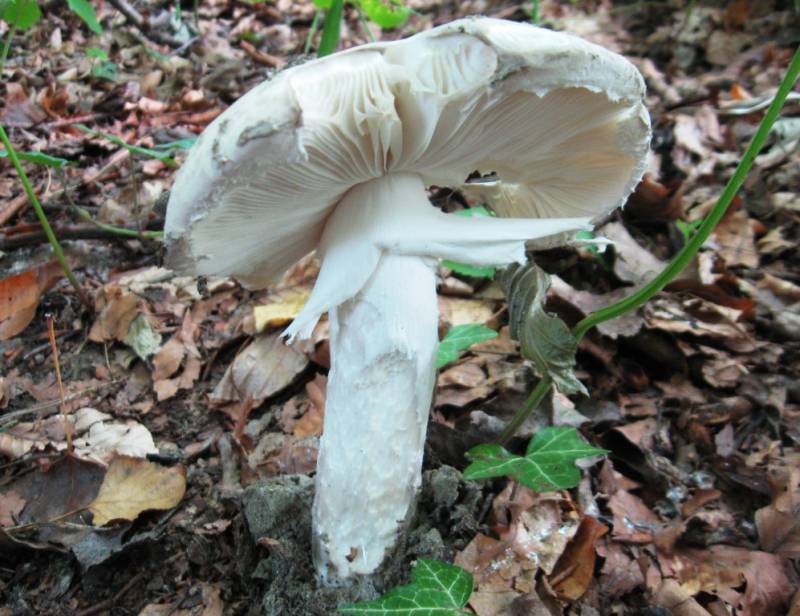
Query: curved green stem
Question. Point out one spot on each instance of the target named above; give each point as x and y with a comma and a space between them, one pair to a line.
687, 253
150, 235
6, 46
48, 230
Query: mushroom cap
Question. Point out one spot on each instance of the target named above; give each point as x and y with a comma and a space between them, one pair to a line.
558, 121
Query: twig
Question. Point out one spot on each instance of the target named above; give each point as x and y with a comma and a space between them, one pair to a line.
143, 24
78, 233
113, 601
51, 332
12, 207
48, 230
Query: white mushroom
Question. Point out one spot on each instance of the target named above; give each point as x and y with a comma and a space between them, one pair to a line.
335, 156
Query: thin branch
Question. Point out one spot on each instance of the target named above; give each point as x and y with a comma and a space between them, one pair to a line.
106, 232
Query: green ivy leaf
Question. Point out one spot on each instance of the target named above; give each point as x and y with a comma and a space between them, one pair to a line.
40, 158
85, 11
437, 589
387, 14
22, 14
544, 338
476, 271
459, 338
96, 53
548, 464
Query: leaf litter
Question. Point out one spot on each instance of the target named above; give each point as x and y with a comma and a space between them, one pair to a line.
694, 396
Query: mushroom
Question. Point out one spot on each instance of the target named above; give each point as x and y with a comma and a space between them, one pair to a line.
335, 156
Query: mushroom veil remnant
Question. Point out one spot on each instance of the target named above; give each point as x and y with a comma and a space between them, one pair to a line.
335, 156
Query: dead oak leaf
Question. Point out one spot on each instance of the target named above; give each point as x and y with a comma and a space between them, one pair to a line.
133, 485
779, 522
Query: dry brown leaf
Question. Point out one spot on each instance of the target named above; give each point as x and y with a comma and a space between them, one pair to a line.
575, 569
134, 485
633, 263
671, 596
10, 507
737, 240
19, 296
769, 580
779, 522
168, 359
116, 310
264, 368
167, 388
310, 424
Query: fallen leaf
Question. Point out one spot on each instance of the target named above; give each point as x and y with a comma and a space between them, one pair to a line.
310, 424
779, 522
10, 507
133, 485
168, 359
281, 306
261, 370
116, 309
19, 296
575, 569
769, 580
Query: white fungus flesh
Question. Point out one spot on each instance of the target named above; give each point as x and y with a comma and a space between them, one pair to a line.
335, 156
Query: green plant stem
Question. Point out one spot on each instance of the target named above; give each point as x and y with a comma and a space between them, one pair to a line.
331, 29
686, 254
364, 23
312, 31
37, 207
529, 406
690, 249
150, 235
535, 14
6, 47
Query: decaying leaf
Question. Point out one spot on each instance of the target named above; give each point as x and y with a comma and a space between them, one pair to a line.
281, 307
19, 296
545, 339
116, 310
574, 571
133, 485
264, 368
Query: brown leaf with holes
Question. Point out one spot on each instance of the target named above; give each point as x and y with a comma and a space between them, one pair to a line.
134, 485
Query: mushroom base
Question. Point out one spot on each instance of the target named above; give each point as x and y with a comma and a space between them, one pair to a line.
383, 358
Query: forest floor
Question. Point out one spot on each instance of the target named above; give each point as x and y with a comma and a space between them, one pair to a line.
696, 395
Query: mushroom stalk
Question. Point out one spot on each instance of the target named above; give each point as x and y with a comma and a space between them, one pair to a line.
383, 366
377, 280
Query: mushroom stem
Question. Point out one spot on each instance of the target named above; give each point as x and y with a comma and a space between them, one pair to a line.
383, 366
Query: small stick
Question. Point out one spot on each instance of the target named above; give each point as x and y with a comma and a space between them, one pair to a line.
67, 426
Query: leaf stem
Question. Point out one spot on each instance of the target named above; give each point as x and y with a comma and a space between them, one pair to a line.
6, 46
312, 31
150, 235
51, 236
530, 405
686, 254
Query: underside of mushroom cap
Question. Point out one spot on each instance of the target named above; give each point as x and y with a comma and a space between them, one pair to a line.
559, 123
